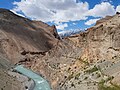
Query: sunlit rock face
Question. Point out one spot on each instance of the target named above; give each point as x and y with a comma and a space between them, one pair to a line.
38, 46
102, 41
19, 35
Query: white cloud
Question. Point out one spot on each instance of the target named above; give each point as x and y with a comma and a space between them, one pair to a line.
91, 21
106, 1
53, 10
61, 26
118, 8
63, 10
74, 23
101, 10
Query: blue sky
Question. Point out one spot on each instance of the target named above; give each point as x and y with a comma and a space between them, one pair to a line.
65, 14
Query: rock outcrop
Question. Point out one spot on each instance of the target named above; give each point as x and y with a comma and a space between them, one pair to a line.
38, 46
102, 41
23, 41
19, 35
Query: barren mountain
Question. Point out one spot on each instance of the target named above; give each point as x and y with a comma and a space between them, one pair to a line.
38, 46
21, 36
76, 53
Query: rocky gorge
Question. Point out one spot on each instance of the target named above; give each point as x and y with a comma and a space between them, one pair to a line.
38, 47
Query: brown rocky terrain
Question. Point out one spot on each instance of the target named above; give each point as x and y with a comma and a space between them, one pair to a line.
103, 41
74, 53
22, 40
8, 82
20, 35
38, 46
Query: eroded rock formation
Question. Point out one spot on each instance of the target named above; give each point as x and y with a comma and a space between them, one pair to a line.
38, 46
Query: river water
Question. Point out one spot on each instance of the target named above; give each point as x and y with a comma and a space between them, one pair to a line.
40, 83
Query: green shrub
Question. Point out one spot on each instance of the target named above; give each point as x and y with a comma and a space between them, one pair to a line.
101, 86
92, 70
77, 76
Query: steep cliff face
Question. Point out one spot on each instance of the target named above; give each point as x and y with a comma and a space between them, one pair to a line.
102, 41
7, 81
38, 46
104, 19
20, 36
98, 43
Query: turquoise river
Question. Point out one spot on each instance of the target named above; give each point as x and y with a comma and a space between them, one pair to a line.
40, 83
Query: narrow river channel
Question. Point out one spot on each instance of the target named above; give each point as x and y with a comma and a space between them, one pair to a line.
40, 83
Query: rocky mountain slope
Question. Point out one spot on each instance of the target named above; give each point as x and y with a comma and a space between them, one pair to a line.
75, 53
38, 46
100, 46
8, 82
102, 41
20, 38
21, 35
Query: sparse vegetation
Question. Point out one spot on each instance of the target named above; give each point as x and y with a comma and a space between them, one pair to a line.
72, 85
65, 77
92, 70
79, 82
77, 76
85, 78
98, 75
109, 78
70, 76
101, 86
69, 69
